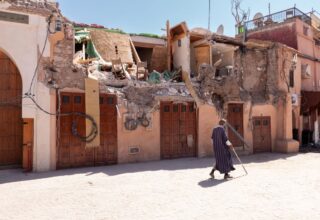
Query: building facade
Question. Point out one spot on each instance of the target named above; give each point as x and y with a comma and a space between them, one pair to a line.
73, 103
301, 32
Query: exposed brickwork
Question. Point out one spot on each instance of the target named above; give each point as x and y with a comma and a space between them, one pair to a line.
61, 73
159, 59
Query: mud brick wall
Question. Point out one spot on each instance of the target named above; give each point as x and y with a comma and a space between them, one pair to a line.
159, 59
59, 72
67, 75
285, 34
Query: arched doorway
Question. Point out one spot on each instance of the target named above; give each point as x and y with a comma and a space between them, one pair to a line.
10, 113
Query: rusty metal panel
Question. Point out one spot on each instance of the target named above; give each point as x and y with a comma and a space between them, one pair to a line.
13, 17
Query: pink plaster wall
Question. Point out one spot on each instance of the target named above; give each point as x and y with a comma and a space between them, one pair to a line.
147, 140
308, 84
208, 119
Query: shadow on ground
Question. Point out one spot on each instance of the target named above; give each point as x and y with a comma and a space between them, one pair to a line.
214, 182
7, 176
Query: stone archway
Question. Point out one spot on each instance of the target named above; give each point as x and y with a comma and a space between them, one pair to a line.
11, 125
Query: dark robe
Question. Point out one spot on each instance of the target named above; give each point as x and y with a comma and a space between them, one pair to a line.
222, 152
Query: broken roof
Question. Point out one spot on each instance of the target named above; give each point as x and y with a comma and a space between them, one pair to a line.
148, 42
42, 8
179, 31
112, 46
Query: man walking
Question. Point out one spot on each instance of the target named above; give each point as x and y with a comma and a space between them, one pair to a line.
221, 147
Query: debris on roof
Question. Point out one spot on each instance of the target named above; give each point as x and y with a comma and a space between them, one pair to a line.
112, 46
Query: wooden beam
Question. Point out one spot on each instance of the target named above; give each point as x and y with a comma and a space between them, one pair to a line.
227, 40
203, 42
135, 53
186, 79
168, 46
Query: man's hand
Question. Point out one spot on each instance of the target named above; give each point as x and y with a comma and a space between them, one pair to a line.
228, 143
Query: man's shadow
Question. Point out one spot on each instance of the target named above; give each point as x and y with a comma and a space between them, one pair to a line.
214, 182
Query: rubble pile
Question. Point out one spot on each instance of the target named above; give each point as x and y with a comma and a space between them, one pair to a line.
44, 8
242, 72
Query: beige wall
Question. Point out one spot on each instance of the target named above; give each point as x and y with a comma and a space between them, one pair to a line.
53, 130
148, 140
207, 120
22, 43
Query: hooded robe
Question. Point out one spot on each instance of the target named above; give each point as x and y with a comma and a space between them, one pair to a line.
221, 150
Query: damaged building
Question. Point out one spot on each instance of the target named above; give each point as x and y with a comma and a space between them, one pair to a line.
88, 96
300, 31
249, 83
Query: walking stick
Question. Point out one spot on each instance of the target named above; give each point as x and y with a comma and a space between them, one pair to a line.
242, 139
239, 160
237, 134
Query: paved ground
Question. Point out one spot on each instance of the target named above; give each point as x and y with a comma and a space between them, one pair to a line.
278, 187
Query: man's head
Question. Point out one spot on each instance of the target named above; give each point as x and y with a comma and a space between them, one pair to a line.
222, 122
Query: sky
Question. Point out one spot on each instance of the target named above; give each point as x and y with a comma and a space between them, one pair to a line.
150, 16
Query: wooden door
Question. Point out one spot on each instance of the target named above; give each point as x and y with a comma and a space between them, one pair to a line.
11, 124
178, 130
202, 55
166, 127
261, 134
107, 152
27, 144
72, 152
235, 119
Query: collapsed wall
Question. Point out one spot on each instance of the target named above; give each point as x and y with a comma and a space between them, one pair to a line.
256, 77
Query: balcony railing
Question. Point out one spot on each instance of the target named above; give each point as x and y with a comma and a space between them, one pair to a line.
274, 18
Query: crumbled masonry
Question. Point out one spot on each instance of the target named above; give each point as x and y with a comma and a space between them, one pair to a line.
252, 78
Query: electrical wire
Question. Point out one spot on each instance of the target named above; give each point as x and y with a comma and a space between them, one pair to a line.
38, 62
94, 128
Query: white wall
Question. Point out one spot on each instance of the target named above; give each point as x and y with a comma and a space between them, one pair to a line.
181, 55
22, 43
